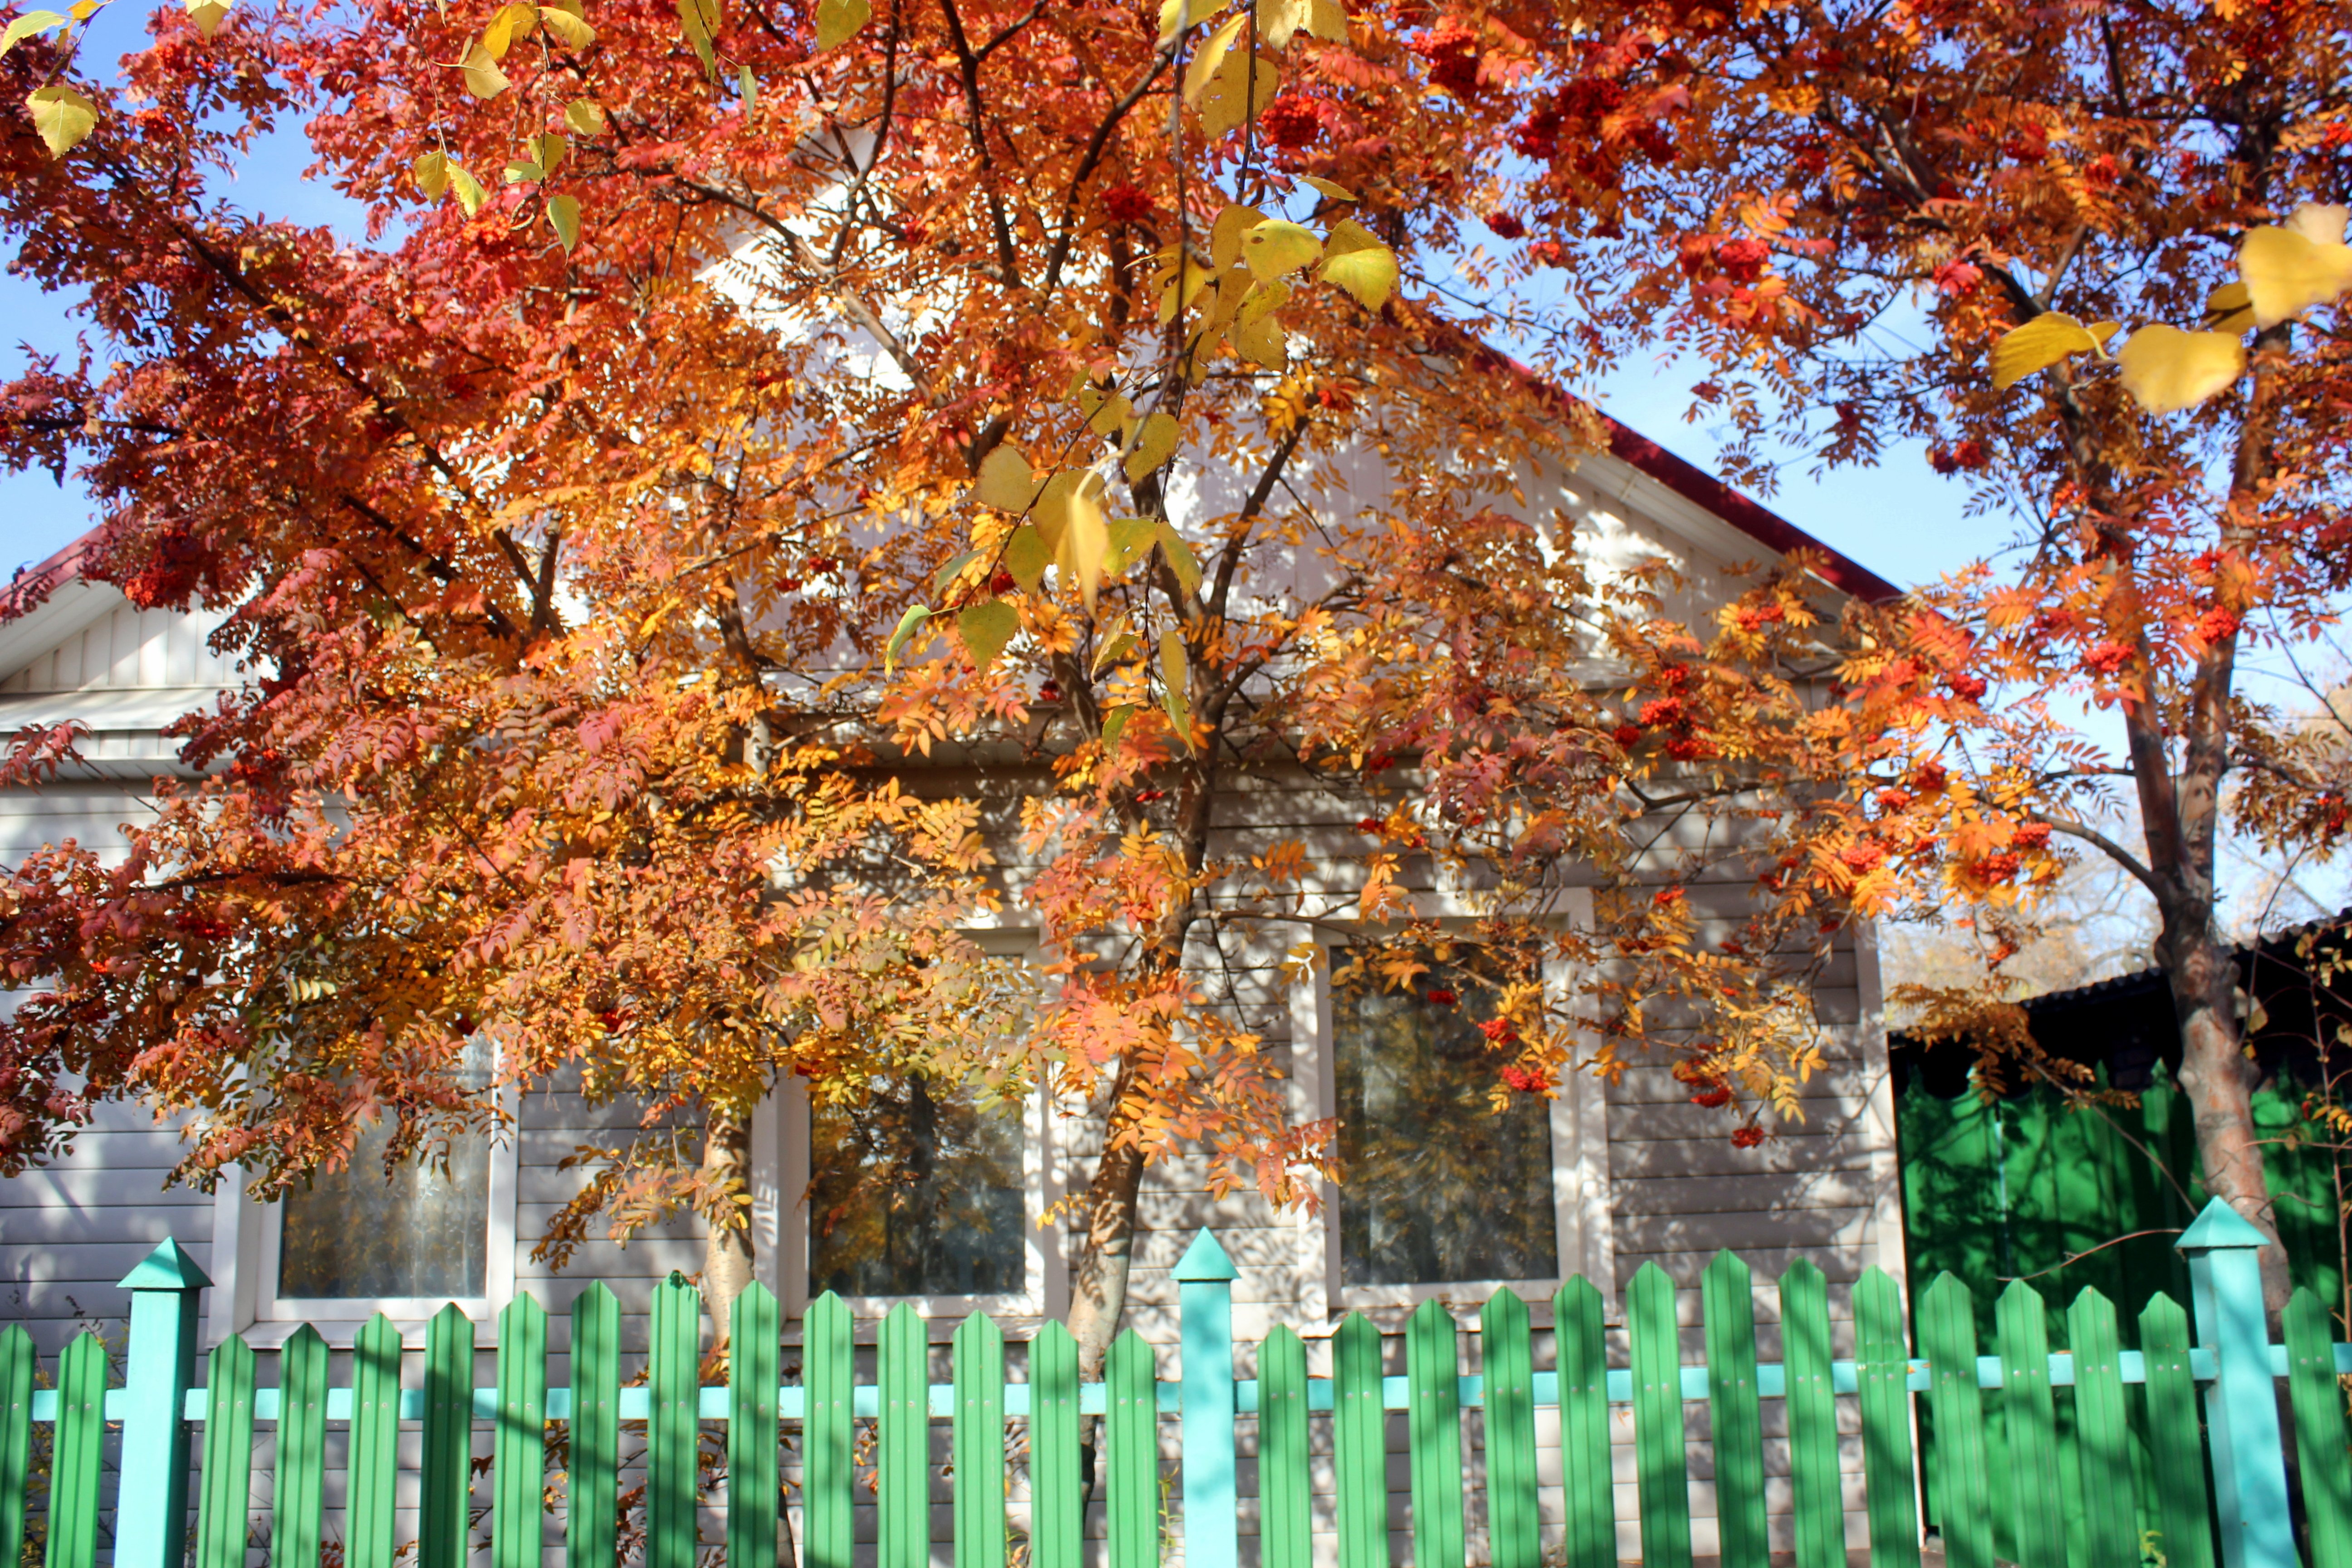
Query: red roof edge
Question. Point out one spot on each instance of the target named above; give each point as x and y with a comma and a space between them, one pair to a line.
1750, 517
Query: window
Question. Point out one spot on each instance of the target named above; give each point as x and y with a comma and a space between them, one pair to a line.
917, 1193
1443, 1196
352, 1243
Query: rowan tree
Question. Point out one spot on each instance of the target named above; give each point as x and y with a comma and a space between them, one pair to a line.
2083, 255
737, 411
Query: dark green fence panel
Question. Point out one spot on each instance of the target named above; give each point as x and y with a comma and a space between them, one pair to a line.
674, 1428
754, 1478
1133, 1422
2103, 1433
1587, 1487
1359, 1444
518, 1444
1056, 1538
1433, 1361
1661, 1457
19, 1366
2032, 1424
2184, 1527
298, 1506
903, 1451
1513, 1524
1882, 1370
224, 1496
1948, 1338
1283, 1479
1817, 1490
827, 1475
591, 1524
371, 1476
978, 1443
74, 1454
1735, 1421
445, 1483
2319, 1400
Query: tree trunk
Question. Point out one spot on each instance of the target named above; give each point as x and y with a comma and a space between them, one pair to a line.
727, 1249
1107, 1247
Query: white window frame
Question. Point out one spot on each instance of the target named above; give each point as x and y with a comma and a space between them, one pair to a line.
246, 1237
1580, 1141
1046, 1274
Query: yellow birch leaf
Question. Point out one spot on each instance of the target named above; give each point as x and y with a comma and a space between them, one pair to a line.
568, 30
838, 21
2319, 223
1005, 482
1277, 20
1115, 721
907, 623
31, 22
1085, 542
563, 216
1182, 277
1337, 193
1261, 302
514, 21
1050, 512
62, 116
431, 172
548, 149
1026, 557
1226, 231
2229, 308
585, 116
1175, 672
1210, 56
1241, 90
749, 85
2036, 346
1154, 444
1179, 558
1108, 646
1175, 15
471, 194
207, 15
2167, 369
1277, 248
1327, 20
986, 627
1131, 539
2286, 273
1104, 411
1262, 342
1358, 263
483, 78
523, 172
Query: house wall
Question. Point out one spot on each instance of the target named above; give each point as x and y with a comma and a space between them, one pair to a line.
1676, 1189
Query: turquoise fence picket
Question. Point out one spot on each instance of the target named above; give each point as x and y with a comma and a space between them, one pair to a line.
2101, 1459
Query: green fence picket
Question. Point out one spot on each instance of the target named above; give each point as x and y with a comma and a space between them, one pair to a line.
299, 1485
1816, 1488
1132, 1401
1284, 1482
74, 1454
754, 1329
1057, 1520
2176, 1452
224, 1496
2102, 1432
674, 1424
2031, 1424
1433, 1362
1588, 1488
828, 1474
445, 1483
1359, 1444
591, 1517
1948, 1338
903, 1454
978, 1443
1661, 1453
1733, 1412
519, 1442
18, 1364
1514, 1525
1883, 1372
2319, 1400
371, 1471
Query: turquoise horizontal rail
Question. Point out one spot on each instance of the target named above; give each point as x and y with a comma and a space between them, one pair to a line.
1771, 1383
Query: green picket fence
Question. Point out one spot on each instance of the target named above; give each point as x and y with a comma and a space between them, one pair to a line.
160, 1406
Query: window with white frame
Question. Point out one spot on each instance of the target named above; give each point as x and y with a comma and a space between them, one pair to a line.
915, 1191
343, 1246
1443, 1194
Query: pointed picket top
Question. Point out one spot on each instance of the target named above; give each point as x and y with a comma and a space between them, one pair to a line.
1204, 1260
166, 1269
2219, 1229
